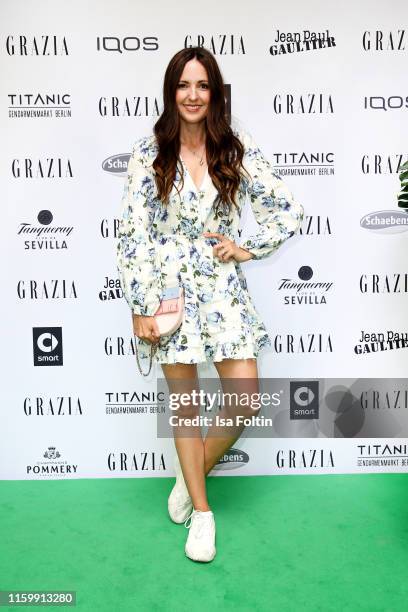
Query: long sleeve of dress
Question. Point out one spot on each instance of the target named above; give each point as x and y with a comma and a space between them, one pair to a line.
278, 214
137, 256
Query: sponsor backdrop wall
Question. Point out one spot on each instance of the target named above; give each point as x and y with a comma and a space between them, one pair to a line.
323, 91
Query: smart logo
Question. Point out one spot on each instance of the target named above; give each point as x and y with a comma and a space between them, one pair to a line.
47, 346
304, 399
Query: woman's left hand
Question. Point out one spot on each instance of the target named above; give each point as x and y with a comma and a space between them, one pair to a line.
226, 249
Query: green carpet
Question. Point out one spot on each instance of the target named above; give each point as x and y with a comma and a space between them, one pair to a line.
335, 542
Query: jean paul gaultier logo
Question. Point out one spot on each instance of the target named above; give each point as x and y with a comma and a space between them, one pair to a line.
304, 290
112, 290
296, 42
370, 342
391, 221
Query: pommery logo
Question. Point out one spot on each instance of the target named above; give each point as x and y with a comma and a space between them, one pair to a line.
391, 221
52, 465
52, 453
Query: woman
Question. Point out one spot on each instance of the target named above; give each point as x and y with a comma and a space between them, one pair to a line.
181, 207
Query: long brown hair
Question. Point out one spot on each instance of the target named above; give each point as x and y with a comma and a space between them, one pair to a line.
223, 149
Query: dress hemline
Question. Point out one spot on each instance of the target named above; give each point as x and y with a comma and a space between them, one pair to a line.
251, 353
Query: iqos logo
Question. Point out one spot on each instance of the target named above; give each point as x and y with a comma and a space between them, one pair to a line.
386, 104
130, 43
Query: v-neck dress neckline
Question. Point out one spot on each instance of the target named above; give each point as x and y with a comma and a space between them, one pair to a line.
199, 189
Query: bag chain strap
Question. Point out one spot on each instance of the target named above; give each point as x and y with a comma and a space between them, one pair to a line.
153, 348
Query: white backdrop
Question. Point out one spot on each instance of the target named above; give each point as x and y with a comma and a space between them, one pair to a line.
80, 82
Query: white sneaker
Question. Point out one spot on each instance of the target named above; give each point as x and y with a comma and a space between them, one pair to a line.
200, 545
179, 502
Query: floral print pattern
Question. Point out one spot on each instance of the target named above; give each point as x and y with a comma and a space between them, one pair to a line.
159, 246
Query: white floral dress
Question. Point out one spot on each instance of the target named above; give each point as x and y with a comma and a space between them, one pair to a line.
159, 245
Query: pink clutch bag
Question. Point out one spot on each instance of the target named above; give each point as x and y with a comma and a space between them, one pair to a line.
169, 315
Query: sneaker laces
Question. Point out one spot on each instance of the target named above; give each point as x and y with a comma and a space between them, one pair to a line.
199, 522
188, 519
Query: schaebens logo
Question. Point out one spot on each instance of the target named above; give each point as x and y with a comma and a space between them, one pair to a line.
232, 459
116, 164
391, 221
385, 221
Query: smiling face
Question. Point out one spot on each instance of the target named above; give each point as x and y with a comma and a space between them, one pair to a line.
193, 92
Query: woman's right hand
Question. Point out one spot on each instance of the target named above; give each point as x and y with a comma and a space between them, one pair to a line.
146, 328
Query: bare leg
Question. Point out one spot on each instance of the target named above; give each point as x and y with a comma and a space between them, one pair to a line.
215, 445
182, 378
